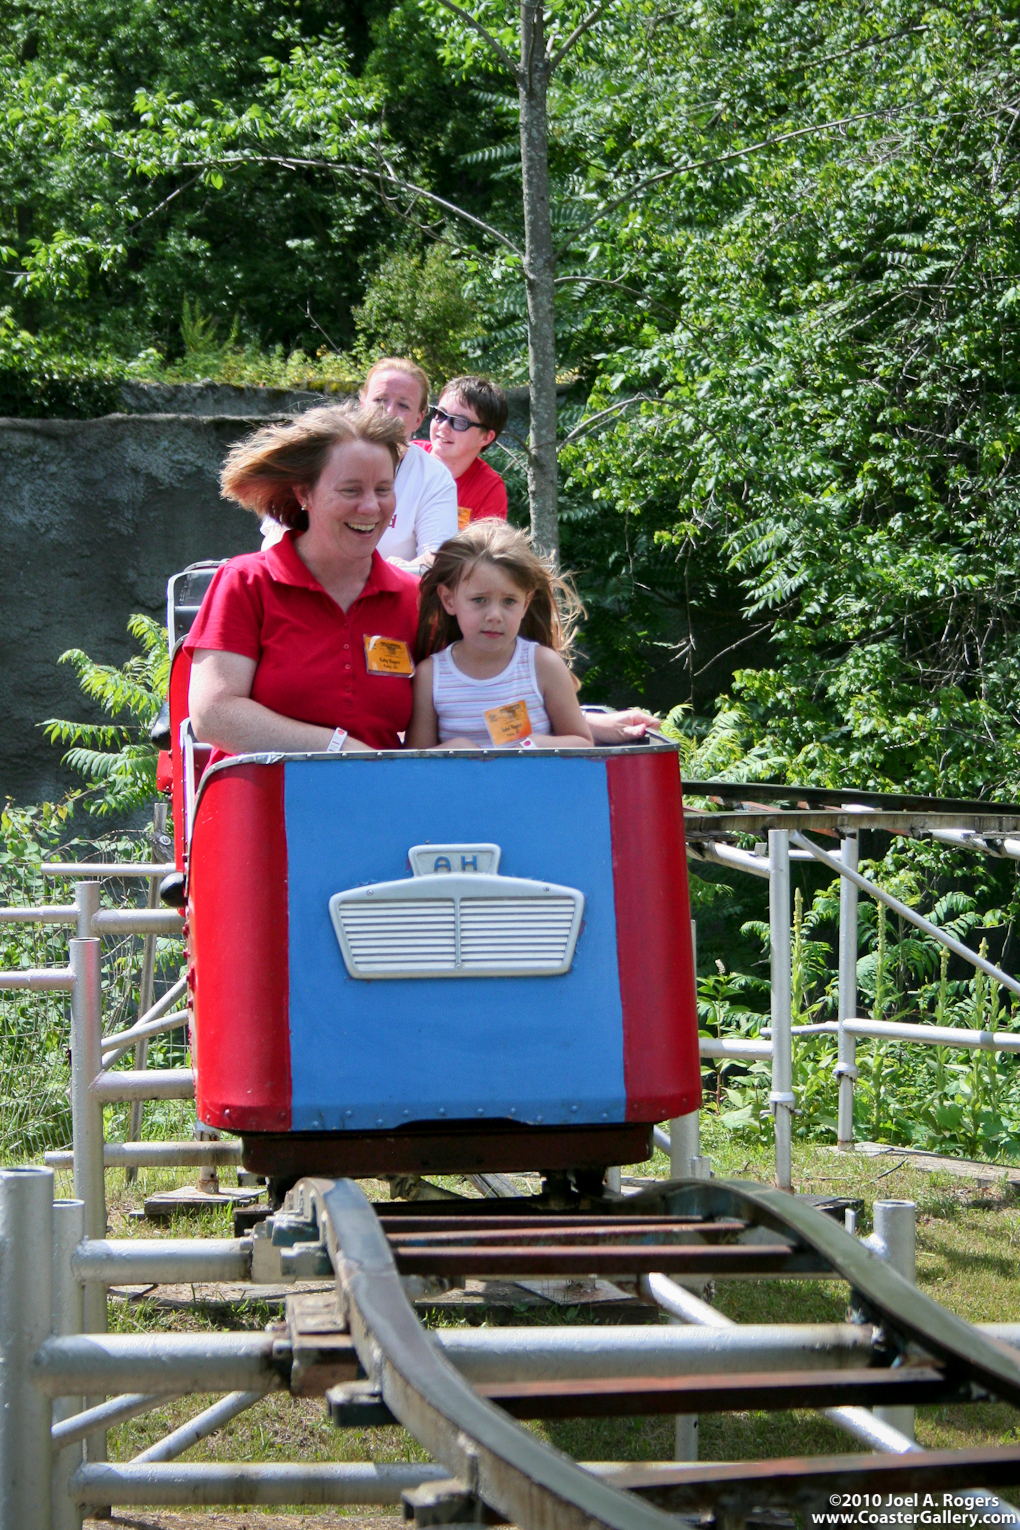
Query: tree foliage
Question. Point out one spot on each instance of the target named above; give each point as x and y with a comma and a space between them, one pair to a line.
835, 409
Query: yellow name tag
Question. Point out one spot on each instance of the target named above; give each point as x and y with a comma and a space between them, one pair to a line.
509, 724
463, 516
388, 656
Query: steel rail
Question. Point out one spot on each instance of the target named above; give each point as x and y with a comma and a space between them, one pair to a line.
804, 1482
743, 1261
603, 1230
914, 825
844, 797
903, 1308
608, 1397
503, 1464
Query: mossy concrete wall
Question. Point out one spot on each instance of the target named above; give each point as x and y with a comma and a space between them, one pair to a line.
96, 515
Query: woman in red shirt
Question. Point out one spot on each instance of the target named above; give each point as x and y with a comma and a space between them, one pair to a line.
306, 646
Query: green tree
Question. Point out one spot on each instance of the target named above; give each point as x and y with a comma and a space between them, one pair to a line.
415, 306
118, 759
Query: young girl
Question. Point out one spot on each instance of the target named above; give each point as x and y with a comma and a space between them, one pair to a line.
490, 645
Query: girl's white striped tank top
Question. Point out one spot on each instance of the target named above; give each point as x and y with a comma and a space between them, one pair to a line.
461, 701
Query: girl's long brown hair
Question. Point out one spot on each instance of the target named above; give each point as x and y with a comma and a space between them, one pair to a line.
555, 608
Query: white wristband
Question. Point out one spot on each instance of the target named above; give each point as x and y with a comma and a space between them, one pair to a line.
337, 742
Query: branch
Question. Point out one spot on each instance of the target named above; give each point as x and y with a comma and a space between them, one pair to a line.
578, 32
165, 202
289, 162
585, 425
703, 164
487, 37
605, 281
747, 638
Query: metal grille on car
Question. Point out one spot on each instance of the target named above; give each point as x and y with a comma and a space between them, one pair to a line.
528, 932
454, 925
396, 939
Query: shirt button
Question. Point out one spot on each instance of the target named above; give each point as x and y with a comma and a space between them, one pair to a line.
347, 645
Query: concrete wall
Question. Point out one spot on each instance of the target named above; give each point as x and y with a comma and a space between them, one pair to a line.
96, 515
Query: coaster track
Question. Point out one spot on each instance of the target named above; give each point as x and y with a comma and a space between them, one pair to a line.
502, 1472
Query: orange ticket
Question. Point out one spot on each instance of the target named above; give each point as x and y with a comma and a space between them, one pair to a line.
508, 724
388, 656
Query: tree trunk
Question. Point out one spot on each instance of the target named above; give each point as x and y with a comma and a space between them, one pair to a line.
539, 268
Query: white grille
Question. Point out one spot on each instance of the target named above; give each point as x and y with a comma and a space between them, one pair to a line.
400, 938
528, 933
451, 925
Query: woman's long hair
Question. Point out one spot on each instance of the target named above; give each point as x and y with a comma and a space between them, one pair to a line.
553, 612
262, 472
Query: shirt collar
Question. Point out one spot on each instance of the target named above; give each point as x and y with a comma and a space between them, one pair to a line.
285, 567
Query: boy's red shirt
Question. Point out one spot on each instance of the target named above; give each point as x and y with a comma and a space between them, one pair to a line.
481, 493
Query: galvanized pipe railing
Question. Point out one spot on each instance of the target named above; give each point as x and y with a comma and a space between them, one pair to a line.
775, 1041
904, 911
156, 1155
26, 1317
74, 1428
167, 1261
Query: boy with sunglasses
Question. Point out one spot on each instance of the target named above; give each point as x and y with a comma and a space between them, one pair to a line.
470, 414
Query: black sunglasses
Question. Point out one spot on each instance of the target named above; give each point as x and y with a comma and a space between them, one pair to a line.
457, 422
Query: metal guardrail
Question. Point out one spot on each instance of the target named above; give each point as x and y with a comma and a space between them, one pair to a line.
783, 814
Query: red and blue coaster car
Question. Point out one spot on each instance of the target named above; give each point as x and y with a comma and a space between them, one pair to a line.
409, 962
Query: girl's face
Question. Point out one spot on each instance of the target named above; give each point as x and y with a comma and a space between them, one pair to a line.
489, 607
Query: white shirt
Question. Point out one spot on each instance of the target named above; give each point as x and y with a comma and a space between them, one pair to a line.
461, 701
426, 512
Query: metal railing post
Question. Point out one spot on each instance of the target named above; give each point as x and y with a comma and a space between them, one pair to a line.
846, 1060
895, 1240
145, 984
68, 1231
87, 1124
685, 1131
26, 1254
781, 1098
86, 901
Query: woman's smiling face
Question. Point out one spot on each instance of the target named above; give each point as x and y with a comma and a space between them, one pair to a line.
352, 501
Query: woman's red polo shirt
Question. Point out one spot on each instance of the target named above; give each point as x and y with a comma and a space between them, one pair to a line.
310, 655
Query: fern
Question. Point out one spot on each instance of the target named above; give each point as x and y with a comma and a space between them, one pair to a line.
117, 758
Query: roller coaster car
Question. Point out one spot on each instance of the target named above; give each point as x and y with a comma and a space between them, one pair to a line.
407, 963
